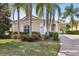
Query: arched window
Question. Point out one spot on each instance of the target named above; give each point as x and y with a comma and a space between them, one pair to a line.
53, 27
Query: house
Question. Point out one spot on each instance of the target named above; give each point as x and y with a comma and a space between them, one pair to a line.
36, 25
24, 25
76, 27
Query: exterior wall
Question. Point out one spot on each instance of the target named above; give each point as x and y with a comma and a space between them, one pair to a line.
74, 28
56, 27
78, 27
35, 25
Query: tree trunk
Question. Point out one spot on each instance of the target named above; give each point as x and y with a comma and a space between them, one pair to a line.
18, 11
72, 18
13, 27
30, 18
41, 26
50, 21
72, 26
47, 23
58, 25
53, 17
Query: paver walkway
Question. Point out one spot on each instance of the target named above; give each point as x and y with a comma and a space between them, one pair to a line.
69, 45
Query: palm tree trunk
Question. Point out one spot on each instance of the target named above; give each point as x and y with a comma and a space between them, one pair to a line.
47, 23
72, 18
53, 17
18, 11
41, 26
58, 25
50, 21
30, 18
13, 27
72, 24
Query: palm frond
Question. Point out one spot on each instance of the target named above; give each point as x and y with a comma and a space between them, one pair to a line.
65, 15
39, 9
58, 9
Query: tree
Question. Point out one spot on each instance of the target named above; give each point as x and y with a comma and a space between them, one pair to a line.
28, 11
56, 7
48, 12
70, 11
40, 13
17, 6
40, 8
30, 18
59, 14
12, 7
67, 26
4, 18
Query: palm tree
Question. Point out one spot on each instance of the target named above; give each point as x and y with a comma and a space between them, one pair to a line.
55, 7
28, 11
70, 11
40, 11
30, 18
59, 15
18, 14
17, 7
48, 18
13, 12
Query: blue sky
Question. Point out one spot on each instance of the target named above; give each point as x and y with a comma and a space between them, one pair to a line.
62, 6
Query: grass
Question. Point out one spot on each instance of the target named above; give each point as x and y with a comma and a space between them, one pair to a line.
10, 47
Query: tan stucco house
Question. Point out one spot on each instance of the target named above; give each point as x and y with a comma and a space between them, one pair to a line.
36, 25
24, 24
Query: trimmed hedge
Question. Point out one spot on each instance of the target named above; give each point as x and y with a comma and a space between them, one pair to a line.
72, 32
54, 35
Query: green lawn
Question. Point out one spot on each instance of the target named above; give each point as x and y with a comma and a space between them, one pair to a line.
12, 47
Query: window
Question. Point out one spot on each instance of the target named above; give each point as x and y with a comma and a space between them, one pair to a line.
53, 27
26, 28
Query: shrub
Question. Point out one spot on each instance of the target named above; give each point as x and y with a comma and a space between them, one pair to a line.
54, 35
45, 37
14, 36
24, 33
34, 37
37, 33
72, 32
5, 36
17, 33
24, 37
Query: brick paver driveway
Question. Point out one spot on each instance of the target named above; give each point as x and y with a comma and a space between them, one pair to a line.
69, 45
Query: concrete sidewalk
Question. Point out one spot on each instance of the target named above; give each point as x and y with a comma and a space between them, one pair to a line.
69, 45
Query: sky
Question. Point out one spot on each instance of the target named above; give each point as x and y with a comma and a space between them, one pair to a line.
62, 6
